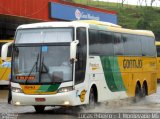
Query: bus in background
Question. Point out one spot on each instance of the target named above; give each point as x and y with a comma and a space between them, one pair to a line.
81, 62
158, 60
5, 67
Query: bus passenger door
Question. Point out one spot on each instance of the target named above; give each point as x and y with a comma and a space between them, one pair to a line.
80, 66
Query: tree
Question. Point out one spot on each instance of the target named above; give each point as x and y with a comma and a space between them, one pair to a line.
152, 1
146, 2
140, 2
123, 2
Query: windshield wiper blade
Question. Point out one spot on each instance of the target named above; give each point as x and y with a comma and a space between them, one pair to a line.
35, 65
45, 68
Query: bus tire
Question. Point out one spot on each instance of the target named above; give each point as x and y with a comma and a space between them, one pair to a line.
92, 101
39, 108
138, 93
9, 96
144, 89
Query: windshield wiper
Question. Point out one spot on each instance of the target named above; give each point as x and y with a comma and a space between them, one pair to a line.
46, 70
45, 67
35, 65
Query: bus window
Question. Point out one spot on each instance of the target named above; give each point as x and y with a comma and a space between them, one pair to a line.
130, 41
9, 51
93, 37
158, 51
106, 43
118, 44
100, 43
149, 43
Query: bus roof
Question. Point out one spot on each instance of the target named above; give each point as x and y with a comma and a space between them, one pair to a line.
100, 23
52, 24
116, 28
89, 24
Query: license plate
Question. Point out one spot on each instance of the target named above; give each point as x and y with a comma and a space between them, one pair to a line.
40, 99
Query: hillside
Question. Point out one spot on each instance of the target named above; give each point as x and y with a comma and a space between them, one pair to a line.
129, 16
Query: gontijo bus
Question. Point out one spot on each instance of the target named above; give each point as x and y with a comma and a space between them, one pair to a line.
5, 70
81, 62
158, 59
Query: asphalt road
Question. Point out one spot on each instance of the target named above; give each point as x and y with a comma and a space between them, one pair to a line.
149, 104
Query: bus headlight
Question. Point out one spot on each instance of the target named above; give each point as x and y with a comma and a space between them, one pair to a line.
17, 90
65, 89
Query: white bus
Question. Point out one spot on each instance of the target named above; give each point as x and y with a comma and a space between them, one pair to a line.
80, 62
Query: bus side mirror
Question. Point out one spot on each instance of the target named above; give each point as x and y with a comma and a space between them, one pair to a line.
4, 51
73, 50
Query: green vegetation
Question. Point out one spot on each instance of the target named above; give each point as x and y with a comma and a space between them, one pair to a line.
129, 16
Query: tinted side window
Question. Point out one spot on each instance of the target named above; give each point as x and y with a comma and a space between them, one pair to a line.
102, 44
118, 44
81, 55
132, 45
148, 46
158, 51
93, 40
9, 51
106, 43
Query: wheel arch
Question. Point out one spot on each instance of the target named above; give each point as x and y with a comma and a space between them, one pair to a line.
94, 87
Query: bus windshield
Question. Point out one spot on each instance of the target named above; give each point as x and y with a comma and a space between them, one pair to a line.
49, 35
42, 63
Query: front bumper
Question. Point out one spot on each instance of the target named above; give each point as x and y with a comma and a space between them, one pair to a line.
52, 99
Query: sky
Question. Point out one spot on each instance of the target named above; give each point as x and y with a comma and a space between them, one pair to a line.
134, 2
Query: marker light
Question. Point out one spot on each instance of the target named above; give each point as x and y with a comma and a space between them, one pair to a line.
66, 103
17, 103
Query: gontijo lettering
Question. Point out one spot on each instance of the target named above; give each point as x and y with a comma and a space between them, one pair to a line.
132, 63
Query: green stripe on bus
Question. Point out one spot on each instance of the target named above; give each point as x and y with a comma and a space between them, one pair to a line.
53, 88
49, 88
112, 73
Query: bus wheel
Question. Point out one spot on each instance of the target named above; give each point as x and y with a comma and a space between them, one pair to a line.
39, 109
138, 93
9, 96
91, 99
144, 91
